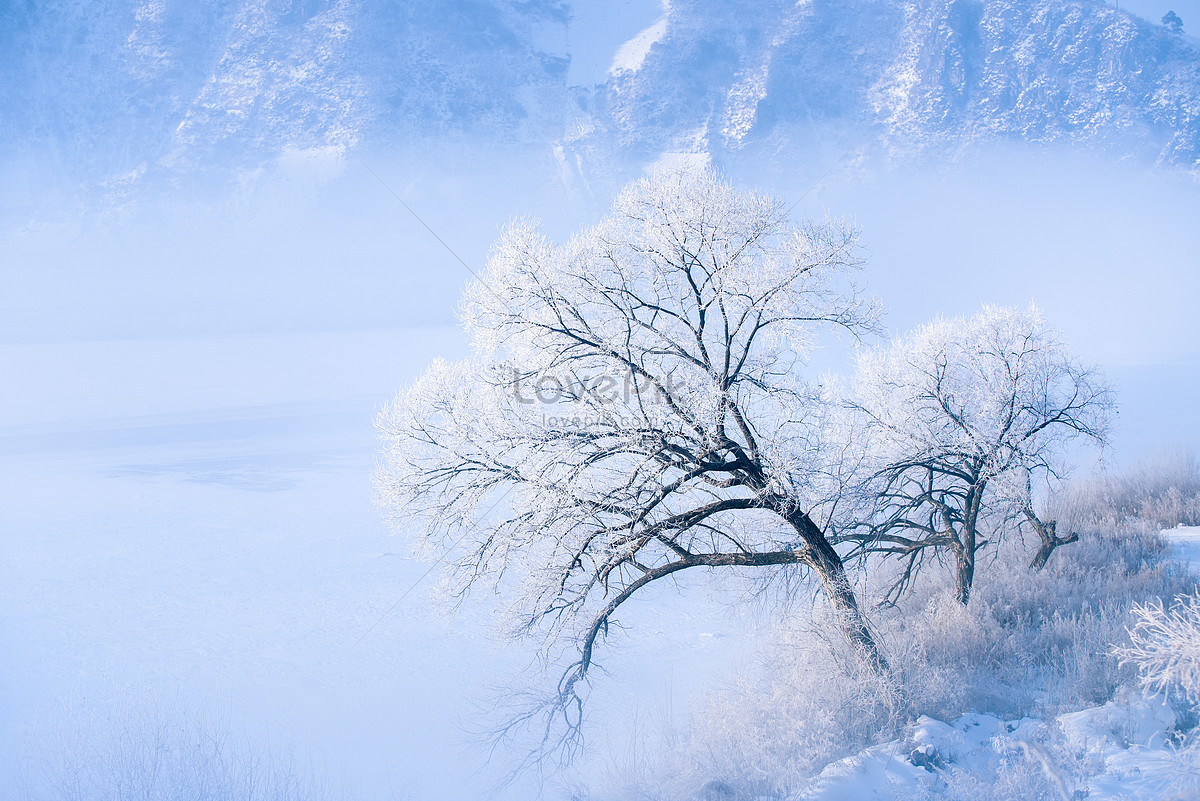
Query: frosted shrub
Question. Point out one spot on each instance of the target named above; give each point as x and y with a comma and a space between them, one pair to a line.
1049, 634
1164, 491
1031, 643
813, 690
1160, 492
1019, 776
1165, 645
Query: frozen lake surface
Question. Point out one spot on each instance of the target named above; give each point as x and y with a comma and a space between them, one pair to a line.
191, 521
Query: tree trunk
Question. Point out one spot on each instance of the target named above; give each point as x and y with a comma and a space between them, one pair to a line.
1043, 555
964, 575
832, 572
1050, 540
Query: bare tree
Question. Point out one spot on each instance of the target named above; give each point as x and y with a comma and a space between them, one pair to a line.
962, 416
635, 409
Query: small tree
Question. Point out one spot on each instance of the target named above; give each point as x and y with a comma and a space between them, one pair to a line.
961, 417
1172, 22
634, 411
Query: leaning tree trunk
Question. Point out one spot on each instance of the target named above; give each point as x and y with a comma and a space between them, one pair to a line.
1048, 534
832, 572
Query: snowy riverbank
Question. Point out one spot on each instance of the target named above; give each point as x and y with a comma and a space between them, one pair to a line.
1127, 749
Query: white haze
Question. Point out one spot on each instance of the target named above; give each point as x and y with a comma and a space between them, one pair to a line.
1110, 253
187, 445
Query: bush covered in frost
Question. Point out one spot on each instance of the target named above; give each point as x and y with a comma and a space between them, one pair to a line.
1031, 643
1162, 491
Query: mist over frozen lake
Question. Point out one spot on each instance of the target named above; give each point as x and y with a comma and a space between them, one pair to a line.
228, 239
190, 523
187, 504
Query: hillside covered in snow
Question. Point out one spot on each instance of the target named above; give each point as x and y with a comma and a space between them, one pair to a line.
911, 76
126, 87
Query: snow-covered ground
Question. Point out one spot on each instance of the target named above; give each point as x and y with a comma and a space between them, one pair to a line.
1185, 541
1123, 750
1120, 750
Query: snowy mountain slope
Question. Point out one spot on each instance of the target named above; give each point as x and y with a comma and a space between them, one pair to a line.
1045, 73
126, 85
722, 75
913, 76
111, 87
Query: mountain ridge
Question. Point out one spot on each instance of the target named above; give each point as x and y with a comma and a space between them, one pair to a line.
175, 86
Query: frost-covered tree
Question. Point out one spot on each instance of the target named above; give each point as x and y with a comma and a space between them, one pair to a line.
961, 417
635, 409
